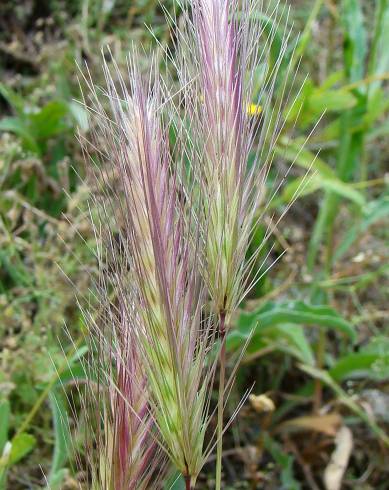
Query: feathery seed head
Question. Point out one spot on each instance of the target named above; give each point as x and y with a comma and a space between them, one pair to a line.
220, 81
161, 258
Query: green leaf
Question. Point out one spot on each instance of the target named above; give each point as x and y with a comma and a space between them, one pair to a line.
355, 39
73, 373
17, 126
57, 480
371, 362
270, 30
14, 100
49, 121
303, 186
259, 322
5, 411
80, 115
175, 482
63, 442
291, 339
331, 100
333, 78
22, 444
314, 101
325, 177
295, 152
379, 53
359, 365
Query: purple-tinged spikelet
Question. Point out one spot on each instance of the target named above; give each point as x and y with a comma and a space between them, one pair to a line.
159, 253
121, 447
133, 443
220, 78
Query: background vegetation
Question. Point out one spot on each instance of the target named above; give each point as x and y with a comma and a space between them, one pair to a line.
319, 356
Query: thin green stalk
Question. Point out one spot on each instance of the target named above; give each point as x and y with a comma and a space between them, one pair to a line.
349, 155
306, 34
320, 353
220, 405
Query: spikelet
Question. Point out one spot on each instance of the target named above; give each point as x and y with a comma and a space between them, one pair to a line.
218, 76
228, 45
160, 254
121, 446
120, 443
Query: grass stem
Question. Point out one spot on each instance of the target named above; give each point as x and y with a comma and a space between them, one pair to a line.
188, 485
220, 407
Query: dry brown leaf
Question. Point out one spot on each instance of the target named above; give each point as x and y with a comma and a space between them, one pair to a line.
327, 424
333, 474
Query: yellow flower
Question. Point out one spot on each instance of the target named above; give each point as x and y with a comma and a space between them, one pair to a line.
254, 109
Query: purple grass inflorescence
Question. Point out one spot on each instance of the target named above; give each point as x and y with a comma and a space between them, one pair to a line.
174, 224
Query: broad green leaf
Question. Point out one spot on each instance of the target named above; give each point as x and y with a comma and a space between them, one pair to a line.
257, 323
5, 411
22, 444
290, 338
62, 435
18, 126
371, 362
360, 365
50, 120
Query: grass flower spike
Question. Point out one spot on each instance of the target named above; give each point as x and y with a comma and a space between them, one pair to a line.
224, 96
161, 257
129, 453
221, 82
120, 441
121, 445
